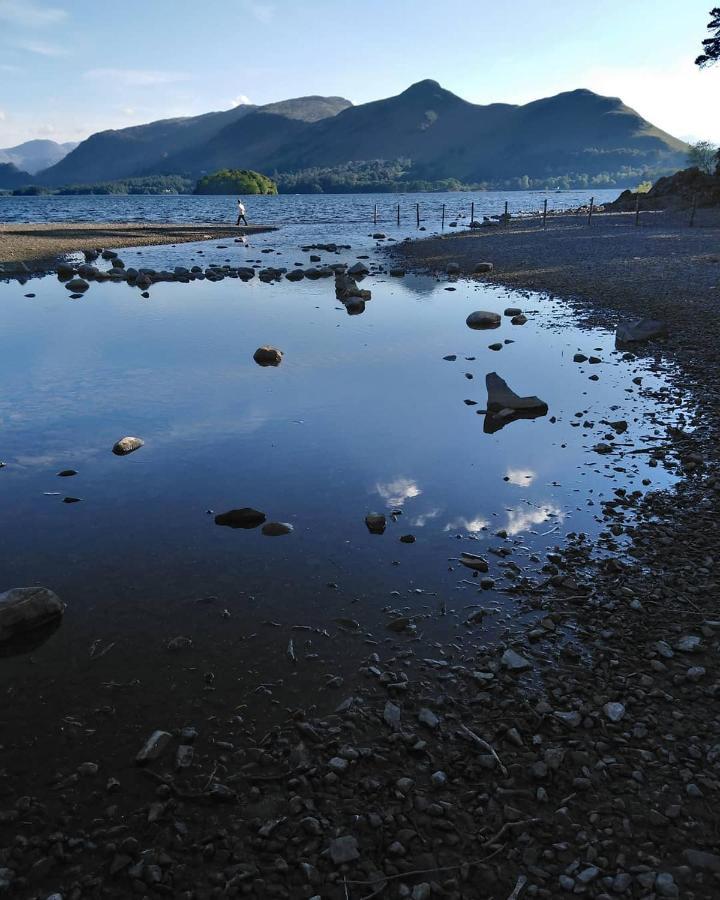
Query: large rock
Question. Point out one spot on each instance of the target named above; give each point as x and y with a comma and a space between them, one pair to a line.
505, 406
483, 319
23, 609
636, 330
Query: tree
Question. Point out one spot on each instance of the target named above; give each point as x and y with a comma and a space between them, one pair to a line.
711, 45
703, 154
235, 181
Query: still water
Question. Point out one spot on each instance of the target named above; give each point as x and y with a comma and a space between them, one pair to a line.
363, 415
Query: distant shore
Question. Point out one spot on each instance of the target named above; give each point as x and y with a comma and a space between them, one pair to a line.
32, 248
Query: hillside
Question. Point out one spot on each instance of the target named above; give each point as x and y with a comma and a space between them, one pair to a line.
438, 134
33, 156
147, 149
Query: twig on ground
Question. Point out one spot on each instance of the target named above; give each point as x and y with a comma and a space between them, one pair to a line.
476, 739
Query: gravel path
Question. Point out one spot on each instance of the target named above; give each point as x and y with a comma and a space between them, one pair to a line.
36, 247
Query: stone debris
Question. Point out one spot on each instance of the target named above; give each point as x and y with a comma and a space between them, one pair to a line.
127, 445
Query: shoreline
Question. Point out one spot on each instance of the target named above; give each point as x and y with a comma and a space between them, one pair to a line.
27, 249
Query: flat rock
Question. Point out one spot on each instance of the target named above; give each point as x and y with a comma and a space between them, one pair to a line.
636, 330
246, 517
127, 445
23, 609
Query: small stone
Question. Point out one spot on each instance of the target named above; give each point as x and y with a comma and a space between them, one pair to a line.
566, 883
588, 875
276, 529
427, 717
690, 643
514, 662
483, 267
153, 747
665, 885
87, 769
408, 538
268, 356
127, 445
421, 891
483, 319
579, 358
391, 715
438, 779
376, 523
344, 850
246, 517
614, 711
338, 765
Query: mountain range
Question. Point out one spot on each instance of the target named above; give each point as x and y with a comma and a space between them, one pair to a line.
438, 135
33, 156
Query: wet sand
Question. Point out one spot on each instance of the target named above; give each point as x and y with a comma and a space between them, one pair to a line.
36, 247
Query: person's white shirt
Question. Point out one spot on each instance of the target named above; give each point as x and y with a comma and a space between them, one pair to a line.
241, 208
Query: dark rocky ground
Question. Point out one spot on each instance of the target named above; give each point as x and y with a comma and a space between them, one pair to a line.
586, 762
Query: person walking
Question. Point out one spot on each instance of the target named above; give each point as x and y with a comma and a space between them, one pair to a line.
241, 213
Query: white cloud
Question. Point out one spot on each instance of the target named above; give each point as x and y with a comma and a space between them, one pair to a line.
136, 77
41, 48
2, 115
263, 12
30, 15
396, 492
241, 100
128, 110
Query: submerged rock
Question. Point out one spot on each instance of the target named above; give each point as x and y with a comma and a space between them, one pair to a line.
474, 562
505, 406
483, 319
77, 285
247, 517
268, 356
482, 266
635, 330
127, 445
26, 608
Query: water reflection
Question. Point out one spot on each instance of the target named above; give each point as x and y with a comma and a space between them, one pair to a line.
398, 491
472, 526
522, 518
520, 477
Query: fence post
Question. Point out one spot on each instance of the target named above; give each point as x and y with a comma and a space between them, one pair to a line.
398, 214
443, 216
592, 202
417, 213
545, 213
692, 212
472, 213
637, 209
375, 215
507, 223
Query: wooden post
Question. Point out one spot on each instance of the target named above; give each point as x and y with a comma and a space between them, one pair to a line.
592, 203
398, 214
417, 213
506, 215
637, 208
545, 214
375, 215
443, 216
692, 211
472, 213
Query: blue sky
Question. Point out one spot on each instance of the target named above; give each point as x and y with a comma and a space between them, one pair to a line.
71, 67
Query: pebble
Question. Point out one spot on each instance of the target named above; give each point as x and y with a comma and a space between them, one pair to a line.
344, 850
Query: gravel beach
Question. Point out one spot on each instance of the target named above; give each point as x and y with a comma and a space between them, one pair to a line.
36, 247
579, 757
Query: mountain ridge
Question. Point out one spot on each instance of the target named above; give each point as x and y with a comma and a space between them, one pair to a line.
440, 134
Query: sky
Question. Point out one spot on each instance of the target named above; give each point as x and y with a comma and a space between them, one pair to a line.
72, 67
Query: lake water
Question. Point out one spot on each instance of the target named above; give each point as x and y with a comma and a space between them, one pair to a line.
363, 415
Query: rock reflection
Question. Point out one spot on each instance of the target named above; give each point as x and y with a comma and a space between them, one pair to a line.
398, 491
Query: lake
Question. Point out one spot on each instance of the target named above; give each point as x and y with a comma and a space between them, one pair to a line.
364, 415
